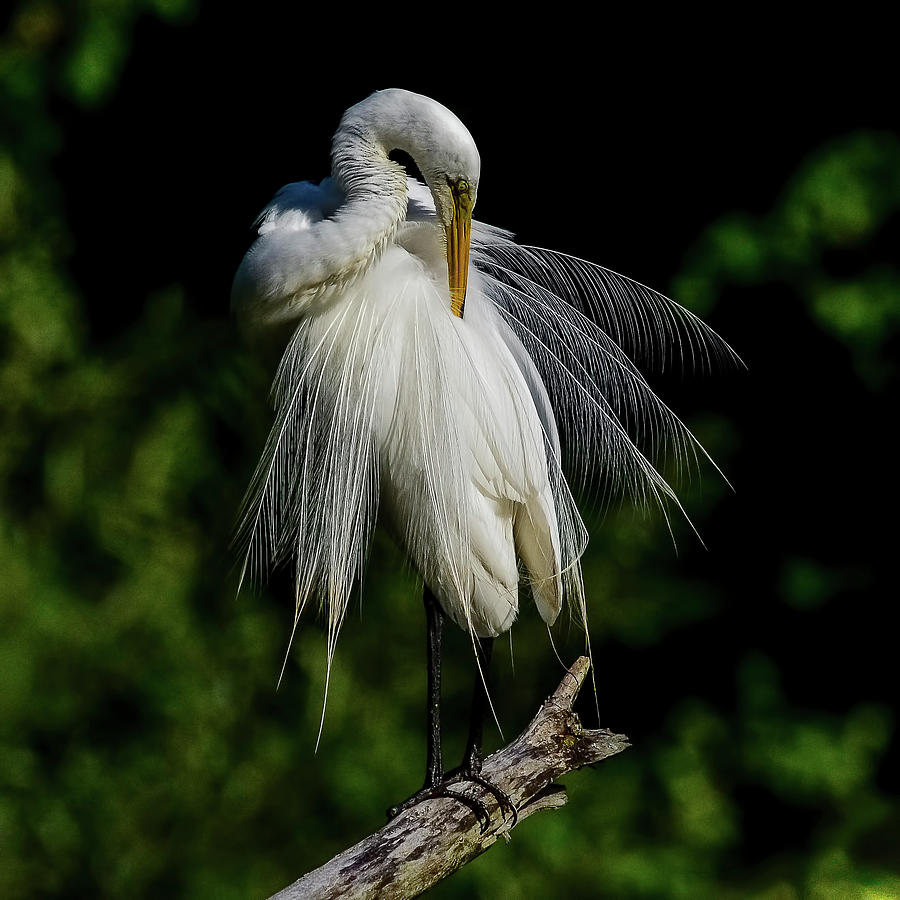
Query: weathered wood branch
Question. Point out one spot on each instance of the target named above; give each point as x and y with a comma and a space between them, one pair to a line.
430, 841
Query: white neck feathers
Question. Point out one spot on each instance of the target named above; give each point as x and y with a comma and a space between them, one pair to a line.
287, 269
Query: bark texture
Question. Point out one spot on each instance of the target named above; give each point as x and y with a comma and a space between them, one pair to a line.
430, 841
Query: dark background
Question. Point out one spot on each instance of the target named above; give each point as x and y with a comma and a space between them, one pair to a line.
752, 173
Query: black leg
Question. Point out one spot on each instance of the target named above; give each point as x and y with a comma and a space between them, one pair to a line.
434, 785
434, 616
472, 758
470, 770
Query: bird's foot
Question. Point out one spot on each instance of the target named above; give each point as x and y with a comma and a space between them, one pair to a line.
469, 771
442, 789
507, 807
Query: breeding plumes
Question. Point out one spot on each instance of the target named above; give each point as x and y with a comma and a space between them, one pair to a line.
439, 374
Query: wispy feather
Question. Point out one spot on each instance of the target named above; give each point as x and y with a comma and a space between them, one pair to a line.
469, 434
314, 497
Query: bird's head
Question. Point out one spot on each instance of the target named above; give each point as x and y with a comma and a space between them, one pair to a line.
450, 163
446, 156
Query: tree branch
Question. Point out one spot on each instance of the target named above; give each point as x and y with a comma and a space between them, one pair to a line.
430, 841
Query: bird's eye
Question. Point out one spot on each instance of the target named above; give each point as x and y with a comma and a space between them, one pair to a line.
462, 186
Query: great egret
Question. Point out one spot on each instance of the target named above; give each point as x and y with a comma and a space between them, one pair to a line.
437, 388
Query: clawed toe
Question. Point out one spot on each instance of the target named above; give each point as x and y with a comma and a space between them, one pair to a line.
444, 789
478, 808
482, 815
507, 807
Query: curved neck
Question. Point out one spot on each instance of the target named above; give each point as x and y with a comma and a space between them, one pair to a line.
362, 169
389, 120
374, 185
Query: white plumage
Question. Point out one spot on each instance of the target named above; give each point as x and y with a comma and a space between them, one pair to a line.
451, 424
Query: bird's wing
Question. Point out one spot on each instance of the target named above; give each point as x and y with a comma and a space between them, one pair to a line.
584, 327
260, 292
513, 503
536, 527
311, 241
515, 444
298, 206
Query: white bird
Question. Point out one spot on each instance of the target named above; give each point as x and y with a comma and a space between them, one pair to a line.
437, 388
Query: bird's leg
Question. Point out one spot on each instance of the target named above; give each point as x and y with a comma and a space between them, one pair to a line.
472, 758
470, 770
434, 615
434, 785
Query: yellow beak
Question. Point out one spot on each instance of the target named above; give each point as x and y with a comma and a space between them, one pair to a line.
458, 239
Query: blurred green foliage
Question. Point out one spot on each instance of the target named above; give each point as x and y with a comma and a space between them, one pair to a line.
143, 748
840, 199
